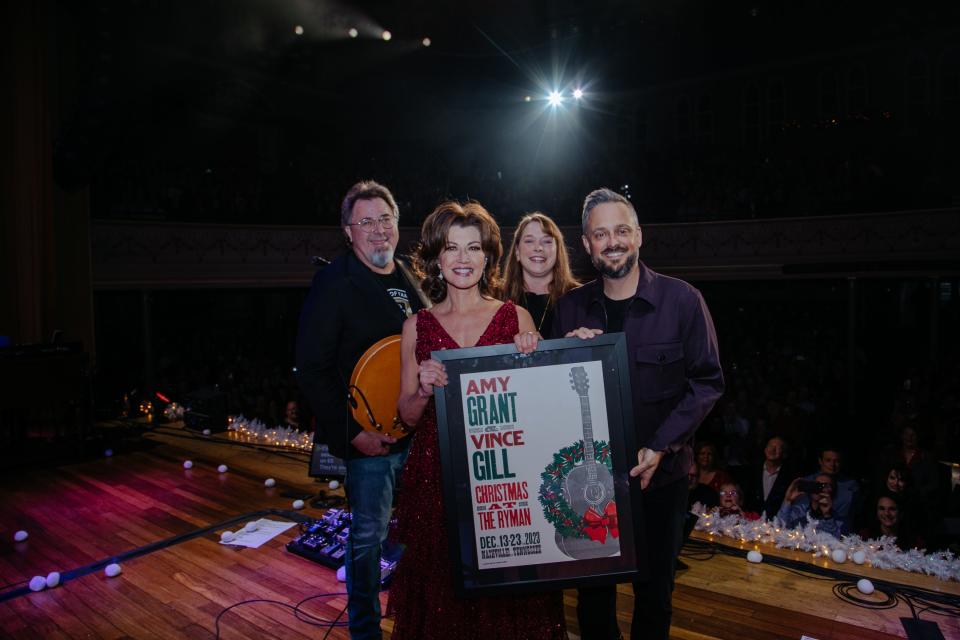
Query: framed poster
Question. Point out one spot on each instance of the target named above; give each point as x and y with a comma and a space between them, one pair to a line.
535, 455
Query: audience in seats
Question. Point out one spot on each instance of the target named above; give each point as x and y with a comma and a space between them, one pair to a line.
767, 483
731, 502
706, 477
800, 507
846, 493
888, 520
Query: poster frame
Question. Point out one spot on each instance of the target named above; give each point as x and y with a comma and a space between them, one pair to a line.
469, 579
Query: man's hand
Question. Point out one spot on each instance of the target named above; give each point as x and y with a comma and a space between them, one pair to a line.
793, 492
373, 444
647, 462
583, 333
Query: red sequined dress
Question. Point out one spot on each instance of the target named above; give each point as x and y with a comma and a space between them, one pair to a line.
421, 594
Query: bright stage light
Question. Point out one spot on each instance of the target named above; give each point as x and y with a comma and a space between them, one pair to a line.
578, 93
427, 42
353, 33
298, 30
386, 35
555, 98
527, 98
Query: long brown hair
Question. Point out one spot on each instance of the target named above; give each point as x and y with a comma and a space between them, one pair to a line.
433, 240
562, 280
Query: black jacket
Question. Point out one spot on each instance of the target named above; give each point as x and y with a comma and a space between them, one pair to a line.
346, 311
675, 363
753, 488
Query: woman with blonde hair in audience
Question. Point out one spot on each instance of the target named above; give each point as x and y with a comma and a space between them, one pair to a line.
538, 271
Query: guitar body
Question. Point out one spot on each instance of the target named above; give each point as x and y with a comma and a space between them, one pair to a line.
375, 387
583, 492
588, 490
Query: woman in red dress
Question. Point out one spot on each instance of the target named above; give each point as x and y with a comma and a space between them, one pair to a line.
459, 262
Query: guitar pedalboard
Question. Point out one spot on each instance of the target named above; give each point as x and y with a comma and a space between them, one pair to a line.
324, 541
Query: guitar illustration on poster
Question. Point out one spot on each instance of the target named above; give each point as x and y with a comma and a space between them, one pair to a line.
577, 491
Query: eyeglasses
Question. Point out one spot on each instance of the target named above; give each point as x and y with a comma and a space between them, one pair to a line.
729, 494
386, 221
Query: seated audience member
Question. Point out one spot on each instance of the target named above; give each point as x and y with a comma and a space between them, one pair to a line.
766, 485
888, 520
731, 502
897, 480
708, 475
846, 495
799, 508
291, 415
920, 462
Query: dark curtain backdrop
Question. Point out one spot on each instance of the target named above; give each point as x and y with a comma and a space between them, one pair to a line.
45, 231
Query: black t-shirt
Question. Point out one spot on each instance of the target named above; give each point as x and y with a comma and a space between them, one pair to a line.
538, 304
616, 310
399, 289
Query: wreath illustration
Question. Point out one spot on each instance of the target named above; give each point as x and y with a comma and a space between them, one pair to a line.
556, 509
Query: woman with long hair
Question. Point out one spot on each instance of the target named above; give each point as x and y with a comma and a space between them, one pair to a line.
538, 271
458, 261
888, 520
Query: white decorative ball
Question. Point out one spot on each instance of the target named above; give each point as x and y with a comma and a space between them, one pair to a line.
187, 464
251, 526
108, 452
38, 583
222, 468
839, 556
859, 557
342, 573
53, 579
754, 556
112, 570
206, 432
298, 504
21, 535
269, 482
334, 484
227, 536
865, 586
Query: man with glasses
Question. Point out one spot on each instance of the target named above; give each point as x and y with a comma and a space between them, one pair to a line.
675, 380
358, 299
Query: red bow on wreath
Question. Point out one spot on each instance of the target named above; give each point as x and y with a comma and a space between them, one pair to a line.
598, 524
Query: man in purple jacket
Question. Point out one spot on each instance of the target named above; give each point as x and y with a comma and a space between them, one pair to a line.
675, 377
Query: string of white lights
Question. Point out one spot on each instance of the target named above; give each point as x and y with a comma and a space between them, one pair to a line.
881, 553
246, 430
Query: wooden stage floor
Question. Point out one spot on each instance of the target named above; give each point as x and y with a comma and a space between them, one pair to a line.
90, 512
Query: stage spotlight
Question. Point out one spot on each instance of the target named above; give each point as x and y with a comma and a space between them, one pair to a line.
353, 33
527, 98
555, 98
578, 93
298, 30
386, 35
427, 42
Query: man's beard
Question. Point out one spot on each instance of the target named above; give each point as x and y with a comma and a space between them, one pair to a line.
615, 273
382, 257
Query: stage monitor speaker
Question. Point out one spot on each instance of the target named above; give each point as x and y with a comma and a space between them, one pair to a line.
206, 409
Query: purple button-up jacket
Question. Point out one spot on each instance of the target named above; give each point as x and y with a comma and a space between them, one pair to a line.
674, 360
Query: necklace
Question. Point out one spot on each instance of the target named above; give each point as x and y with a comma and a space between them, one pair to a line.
543, 316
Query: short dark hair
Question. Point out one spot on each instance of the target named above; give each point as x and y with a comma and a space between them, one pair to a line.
601, 196
433, 239
366, 190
